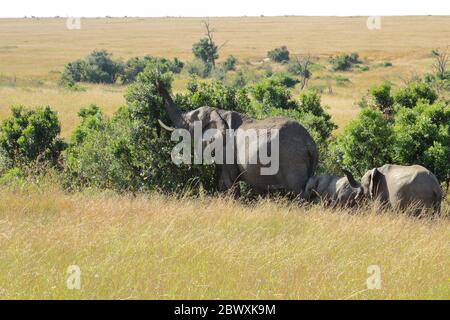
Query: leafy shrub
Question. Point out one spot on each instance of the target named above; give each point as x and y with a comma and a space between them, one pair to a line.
206, 51
198, 68
97, 67
422, 136
229, 64
74, 71
271, 93
136, 65
214, 94
130, 152
414, 92
280, 54
366, 142
285, 79
31, 136
344, 62
381, 97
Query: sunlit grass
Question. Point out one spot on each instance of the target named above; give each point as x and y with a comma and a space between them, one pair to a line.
158, 247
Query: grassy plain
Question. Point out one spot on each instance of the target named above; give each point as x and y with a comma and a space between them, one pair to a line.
158, 247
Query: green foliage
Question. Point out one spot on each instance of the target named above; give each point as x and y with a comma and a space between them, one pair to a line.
136, 65
422, 136
198, 68
280, 54
366, 142
229, 64
99, 67
344, 62
301, 68
30, 136
206, 51
414, 92
130, 152
271, 93
417, 133
285, 79
381, 97
13, 177
214, 94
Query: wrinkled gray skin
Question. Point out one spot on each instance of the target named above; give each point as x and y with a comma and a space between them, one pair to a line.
297, 155
331, 190
403, 187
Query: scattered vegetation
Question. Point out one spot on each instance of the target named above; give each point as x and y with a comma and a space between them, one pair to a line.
344, 62
280, 54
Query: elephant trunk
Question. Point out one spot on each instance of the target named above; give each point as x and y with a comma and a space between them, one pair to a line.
175, 115
353, 183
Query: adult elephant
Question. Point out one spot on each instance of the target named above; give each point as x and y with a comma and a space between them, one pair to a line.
297, 151
331, 190
404, 187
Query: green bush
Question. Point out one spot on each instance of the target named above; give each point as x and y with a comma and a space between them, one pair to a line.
136, 65
199, 68
206, 51
414, 92
271, 93
285, 79
280, 54
366, 142
130, 152
344, 62
97, 67
214, 94
229, 64
31, 136
422, 136
381, 97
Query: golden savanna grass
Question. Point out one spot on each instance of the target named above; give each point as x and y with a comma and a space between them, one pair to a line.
161, 247
158, 247
33, 52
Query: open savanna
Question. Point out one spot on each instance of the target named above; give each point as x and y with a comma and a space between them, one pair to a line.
33, 52
158, 247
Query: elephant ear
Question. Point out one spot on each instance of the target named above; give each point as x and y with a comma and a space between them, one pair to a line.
374, 181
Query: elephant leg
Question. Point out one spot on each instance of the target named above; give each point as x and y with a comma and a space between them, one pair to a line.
228, 180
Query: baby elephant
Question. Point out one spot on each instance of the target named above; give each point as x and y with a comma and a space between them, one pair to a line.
331, 190
401, 186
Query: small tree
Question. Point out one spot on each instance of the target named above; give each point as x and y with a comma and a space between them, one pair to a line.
206, 49
415, 92
382, 99
440, 63
422, 136
366, 142
31, 135
301, 68
229, 64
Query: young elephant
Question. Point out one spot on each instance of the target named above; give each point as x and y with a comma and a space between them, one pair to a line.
401, 187
331, 190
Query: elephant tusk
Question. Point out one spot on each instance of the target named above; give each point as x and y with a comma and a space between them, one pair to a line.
168, 128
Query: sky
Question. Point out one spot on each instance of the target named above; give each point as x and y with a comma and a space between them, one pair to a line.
201, 8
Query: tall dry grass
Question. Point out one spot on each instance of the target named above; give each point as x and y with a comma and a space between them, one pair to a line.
159, 247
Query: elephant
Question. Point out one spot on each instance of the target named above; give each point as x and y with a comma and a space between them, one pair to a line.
332, 190
297, 151
403, 187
